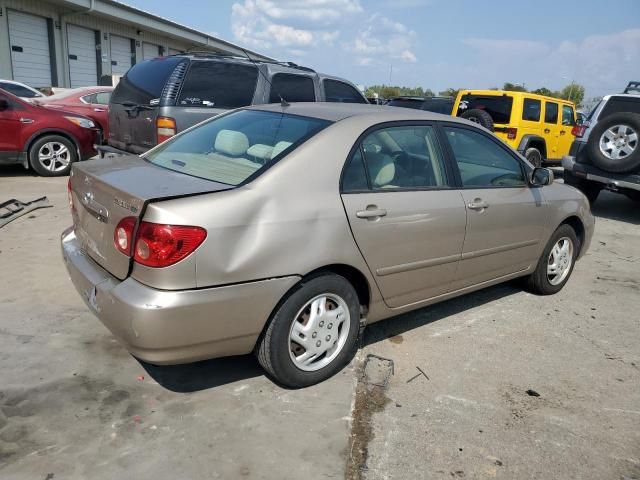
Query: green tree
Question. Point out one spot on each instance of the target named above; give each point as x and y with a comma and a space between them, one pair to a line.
449, 92
513, 87
573, 92
543, 91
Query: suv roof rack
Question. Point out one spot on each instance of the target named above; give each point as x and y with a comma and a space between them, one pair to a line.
632, 87
209, 54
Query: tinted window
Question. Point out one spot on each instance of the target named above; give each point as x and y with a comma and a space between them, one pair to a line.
550, 112
567, 115
230, 148
531, 110
89, 98
482, 162
219, 84
102, 98
404, 157
406, 103
438, 106
293, 88
335, 91
499, 107
18, 90
620, 104
354, 177
144, 81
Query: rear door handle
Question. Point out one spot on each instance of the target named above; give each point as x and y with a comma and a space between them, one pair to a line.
562, 132
26, 120
478, 204
546, 130
372, 212
99, 110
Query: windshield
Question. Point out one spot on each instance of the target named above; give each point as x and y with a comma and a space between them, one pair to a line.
231, 148
19, 90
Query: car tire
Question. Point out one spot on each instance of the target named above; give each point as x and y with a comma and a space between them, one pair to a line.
480, 117
590, 189
542, 281
603, 150
534, 156
297, 365
52, 155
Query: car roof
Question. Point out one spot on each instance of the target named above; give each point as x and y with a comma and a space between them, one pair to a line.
500, 93
335, 112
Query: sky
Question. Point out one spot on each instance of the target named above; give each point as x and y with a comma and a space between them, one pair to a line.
434, 44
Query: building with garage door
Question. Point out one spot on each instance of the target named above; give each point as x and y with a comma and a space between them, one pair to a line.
76, 43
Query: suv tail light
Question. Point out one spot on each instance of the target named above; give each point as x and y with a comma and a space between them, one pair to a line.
123, 235
578, 130
163, 245
512, 133
165, 128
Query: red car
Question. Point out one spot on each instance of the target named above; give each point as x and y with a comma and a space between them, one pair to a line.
46, 139
92, 102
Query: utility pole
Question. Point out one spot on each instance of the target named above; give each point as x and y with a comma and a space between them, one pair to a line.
390, 74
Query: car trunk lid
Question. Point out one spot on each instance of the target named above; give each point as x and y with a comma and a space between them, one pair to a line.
106, 191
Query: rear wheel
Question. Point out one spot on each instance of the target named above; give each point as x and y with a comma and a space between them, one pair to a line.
52, 155
556, 263
534, 156
313, 333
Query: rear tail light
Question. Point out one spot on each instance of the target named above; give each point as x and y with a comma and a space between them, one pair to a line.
70, 195
163, 245
165, 128
512, 133
578, 130
123, 235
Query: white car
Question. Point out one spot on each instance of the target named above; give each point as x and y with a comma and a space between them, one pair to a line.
21, 90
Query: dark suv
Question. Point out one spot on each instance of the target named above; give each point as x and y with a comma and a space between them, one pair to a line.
606, 151
442, 105
158, 98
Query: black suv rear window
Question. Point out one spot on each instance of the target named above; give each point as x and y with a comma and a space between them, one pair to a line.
144, 81
499, 107
340, 92
293, 88
219, 84
406, 103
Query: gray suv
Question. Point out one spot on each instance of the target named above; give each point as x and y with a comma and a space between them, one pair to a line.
606, 151
158, 98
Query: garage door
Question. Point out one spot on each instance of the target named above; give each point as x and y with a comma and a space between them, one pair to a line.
150, 50
120, 55
83, 68
30, 56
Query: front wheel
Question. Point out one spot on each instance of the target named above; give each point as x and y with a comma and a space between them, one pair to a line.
556, 263
52, 155
313, 332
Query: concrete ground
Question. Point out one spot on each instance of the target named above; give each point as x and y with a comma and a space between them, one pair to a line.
75, 405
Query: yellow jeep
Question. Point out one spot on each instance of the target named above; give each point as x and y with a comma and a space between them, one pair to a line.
538, 127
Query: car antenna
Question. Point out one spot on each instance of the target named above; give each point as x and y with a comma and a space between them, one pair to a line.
283, 102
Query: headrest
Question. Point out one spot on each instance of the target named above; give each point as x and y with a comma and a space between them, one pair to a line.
231, 143
381, 167
279, 148
261, 151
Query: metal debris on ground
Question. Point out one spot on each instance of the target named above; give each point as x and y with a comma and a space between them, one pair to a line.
12, 209
418, 375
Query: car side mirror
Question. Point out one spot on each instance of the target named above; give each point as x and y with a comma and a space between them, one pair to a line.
541, 177
4, 105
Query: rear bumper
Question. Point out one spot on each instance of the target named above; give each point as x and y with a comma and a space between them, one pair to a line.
610, 181
169, 327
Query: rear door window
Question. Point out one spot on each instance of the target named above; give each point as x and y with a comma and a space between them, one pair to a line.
551, 113
499, 107
293, 88
531, 110
568, 117
144, 81
219, 85
102, 98
340, 92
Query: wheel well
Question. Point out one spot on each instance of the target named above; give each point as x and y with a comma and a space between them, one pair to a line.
575, 223
540, 145
355, 277
54, 132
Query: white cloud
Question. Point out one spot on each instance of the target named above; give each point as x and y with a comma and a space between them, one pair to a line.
384, 39
408, 56
603, 63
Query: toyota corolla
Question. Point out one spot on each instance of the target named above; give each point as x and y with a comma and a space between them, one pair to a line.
282, 229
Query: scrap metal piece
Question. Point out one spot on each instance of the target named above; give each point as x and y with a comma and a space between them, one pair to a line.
12, 209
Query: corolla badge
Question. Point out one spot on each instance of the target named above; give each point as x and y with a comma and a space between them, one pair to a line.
125, 205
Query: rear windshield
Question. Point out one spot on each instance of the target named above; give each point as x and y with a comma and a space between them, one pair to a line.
219, 84
231, 148
499, 107
144, 81
406, 103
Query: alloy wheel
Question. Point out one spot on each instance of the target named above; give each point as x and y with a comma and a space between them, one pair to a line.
54, 156
560, 261
618, 141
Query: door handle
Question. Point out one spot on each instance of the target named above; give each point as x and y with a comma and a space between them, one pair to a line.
99, 110
372, 212
562, 132
26, 120
546, 130
478, 204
